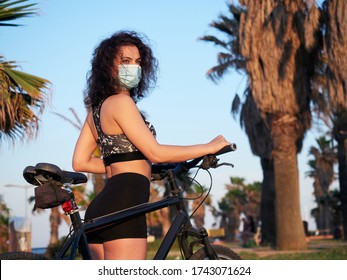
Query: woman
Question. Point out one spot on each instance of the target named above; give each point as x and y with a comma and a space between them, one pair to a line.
123, 71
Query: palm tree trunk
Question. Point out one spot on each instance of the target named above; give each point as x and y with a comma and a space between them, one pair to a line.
99, 182
289, 224
199, 216
322, 223
233, 225
224, 224
326, 216
267, 208
341, 154
54, 220
3, 238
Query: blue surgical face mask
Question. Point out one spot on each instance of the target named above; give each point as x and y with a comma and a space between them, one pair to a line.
129, 75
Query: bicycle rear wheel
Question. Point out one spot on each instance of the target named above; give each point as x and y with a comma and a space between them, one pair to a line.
223, 253
22, 256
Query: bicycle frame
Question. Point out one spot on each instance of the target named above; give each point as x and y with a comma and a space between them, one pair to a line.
181, 227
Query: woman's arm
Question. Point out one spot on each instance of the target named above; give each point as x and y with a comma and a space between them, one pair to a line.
126, 114
83, 159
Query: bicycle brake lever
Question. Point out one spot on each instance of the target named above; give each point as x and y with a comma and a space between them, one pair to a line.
225, 163
209, 161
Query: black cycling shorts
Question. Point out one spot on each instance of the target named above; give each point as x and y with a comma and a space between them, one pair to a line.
121, 191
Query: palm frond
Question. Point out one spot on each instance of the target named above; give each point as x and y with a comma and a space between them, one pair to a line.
235, 106
226, 61
231, 57
22, 101
12, 10
77, 118
215, 40
77, 125
335, 46
31, 84
225, 25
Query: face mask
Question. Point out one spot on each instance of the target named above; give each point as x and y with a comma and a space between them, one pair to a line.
129, 75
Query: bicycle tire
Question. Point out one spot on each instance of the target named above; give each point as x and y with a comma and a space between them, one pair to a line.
223, 253
22, 256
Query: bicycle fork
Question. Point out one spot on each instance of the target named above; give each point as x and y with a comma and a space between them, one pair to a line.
191, 238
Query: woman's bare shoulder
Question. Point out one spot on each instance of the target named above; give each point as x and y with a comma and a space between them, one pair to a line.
124, 98
119, 102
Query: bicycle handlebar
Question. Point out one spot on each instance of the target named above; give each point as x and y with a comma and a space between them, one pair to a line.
159, 170
229, 148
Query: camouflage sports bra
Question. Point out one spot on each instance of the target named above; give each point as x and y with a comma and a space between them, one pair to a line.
117, 148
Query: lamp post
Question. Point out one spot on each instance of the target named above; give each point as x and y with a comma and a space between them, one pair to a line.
25, 187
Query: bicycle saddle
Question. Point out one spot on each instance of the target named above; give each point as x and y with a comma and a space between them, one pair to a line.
44, 172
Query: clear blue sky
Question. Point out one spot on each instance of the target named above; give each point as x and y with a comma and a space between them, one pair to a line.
185, 108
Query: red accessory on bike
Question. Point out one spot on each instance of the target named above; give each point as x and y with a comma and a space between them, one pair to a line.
67, 206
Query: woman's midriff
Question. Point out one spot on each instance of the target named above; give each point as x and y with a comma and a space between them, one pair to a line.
142, 167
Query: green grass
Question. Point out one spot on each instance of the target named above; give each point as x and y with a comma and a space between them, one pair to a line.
317, 250
152, 248
338, 253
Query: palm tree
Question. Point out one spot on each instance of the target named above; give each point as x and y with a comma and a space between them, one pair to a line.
22, 96
240, 198
4, 219
259, 137
276, 40
250, 119
322, 173
335, 47
335, 205
280, 82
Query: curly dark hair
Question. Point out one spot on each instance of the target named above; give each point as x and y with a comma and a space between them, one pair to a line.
101, 82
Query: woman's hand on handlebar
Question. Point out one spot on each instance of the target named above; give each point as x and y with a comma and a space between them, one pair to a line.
218, 143
209, 160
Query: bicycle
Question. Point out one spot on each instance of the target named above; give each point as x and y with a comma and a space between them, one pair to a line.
55, 190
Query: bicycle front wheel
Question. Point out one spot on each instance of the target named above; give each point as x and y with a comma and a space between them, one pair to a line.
223, 253
22, 256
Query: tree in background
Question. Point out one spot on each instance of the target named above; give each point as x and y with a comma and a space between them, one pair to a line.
22, 96
276, 44
4, 219
277, 39
334, 82
336, 213
240, 198
250, 119
322, 173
